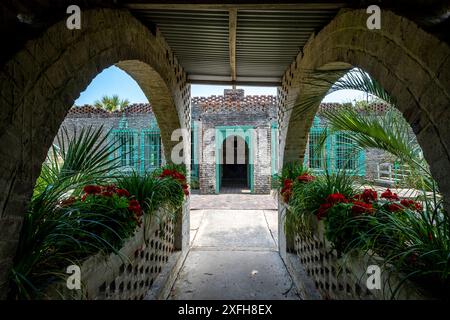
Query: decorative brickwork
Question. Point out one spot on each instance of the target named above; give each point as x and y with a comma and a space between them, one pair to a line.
41, 82
337, 277
89, 111
129, 275
234, 110
412, 65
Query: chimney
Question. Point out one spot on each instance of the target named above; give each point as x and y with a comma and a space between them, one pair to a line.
233, 94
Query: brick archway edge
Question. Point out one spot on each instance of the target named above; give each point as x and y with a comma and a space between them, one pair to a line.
41, 82
412, 65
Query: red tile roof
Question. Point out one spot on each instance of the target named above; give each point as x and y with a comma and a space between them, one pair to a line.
234, 102
88, 110
375, 107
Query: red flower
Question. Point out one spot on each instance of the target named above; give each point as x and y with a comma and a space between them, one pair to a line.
185, 186
369, 195
389, 195
111, 188
133, 203
135, 207
305, 178
186, 192
178, 176
323, 210
336, 198
91, 189
362, 208
411, 204
166, 173
287, 183
122, 193
395, 207
108, 194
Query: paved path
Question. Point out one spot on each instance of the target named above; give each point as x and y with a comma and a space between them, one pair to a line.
233, 256
233, 201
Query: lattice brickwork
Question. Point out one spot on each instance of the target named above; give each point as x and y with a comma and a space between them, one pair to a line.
339, 278
333, 279
131, 275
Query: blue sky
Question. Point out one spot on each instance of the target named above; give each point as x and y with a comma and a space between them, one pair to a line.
115, 81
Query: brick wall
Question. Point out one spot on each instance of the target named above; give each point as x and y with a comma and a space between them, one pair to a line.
234, 109
138, 116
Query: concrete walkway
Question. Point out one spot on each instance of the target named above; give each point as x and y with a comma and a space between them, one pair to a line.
233, 256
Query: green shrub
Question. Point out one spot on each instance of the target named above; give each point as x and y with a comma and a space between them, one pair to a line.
153, 192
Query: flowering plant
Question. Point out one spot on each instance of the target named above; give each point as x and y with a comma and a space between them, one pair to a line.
178, 176
288, 184
117, 201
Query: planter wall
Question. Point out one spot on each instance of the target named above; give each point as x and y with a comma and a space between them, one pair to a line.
344, 277
129, 275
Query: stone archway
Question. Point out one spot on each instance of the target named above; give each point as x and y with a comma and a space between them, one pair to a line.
41, 82
412, 65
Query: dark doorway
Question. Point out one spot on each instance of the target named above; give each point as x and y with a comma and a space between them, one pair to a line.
234, 167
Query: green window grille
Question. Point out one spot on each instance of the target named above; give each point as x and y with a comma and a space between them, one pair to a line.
125, 144
340, 152
194, 150
317, 159
347, 155
150, 148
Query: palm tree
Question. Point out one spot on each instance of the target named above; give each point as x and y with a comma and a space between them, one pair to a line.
112, 103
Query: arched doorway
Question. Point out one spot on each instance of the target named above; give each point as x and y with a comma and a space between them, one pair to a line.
234, 170
240, 152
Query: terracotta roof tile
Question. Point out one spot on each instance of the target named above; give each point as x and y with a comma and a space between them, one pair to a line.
89, 111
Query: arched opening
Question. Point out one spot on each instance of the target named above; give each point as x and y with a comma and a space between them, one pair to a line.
234, 168
419, 90
417, 84
42, 98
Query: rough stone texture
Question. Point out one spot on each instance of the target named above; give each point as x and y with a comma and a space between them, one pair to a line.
412, 65
373, 158
234, 109
41, 82
138, 117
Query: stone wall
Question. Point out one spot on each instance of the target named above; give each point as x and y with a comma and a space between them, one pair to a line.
138, 117
411, 64
234, 109
40, 83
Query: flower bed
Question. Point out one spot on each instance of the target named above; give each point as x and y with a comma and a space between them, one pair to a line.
339, 232
338, 277
128, 274
120, 233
